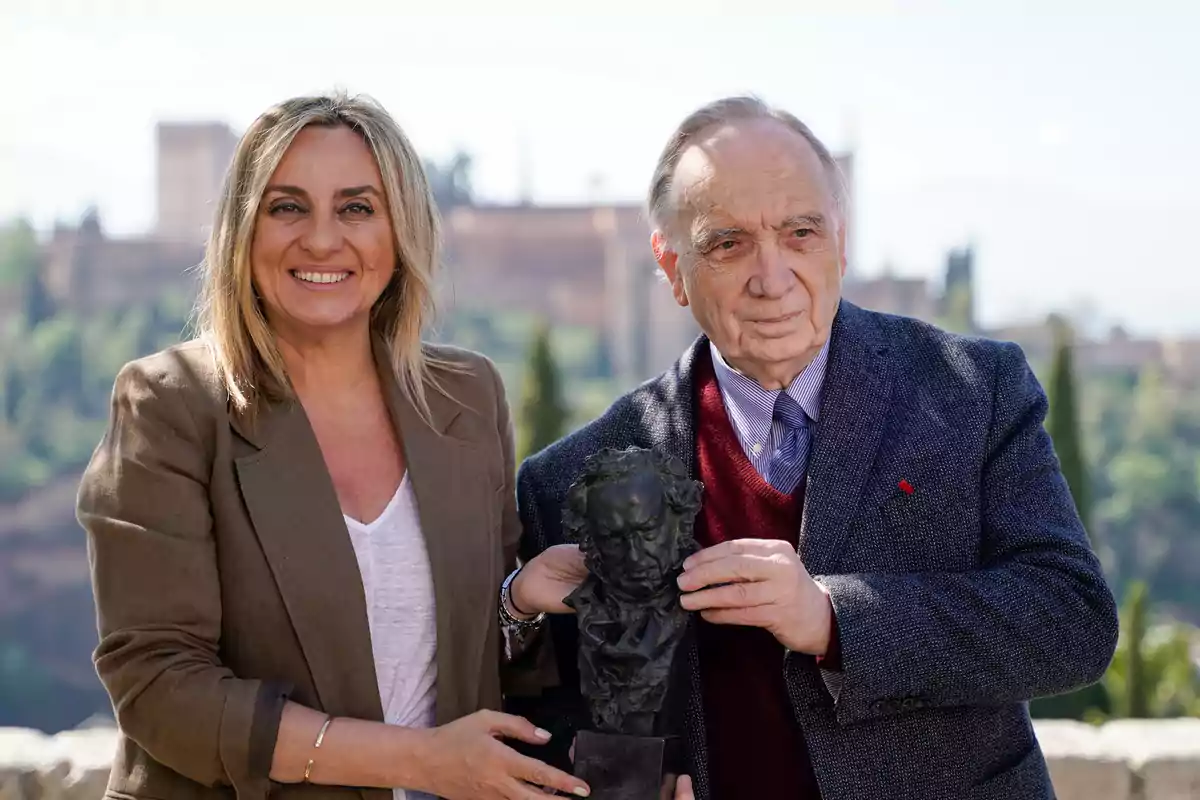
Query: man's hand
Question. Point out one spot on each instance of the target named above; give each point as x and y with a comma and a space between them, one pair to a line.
766, 586
547, 579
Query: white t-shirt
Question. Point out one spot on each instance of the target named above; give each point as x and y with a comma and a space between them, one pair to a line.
401, 612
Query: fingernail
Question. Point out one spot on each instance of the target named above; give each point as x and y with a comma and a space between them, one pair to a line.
580, 791
541, 734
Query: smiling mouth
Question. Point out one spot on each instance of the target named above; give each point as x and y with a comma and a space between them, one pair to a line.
319, 277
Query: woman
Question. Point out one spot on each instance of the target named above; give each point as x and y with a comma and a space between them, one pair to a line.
300, 523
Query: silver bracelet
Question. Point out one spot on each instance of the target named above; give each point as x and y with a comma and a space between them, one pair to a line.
506, 616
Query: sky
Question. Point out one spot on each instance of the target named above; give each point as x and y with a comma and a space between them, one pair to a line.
1059, 138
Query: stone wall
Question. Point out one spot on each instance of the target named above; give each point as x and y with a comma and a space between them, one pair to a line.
1127, 760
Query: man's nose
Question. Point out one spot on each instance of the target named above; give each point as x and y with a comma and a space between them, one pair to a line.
773, 276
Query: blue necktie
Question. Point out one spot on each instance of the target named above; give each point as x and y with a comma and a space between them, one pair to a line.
789, 458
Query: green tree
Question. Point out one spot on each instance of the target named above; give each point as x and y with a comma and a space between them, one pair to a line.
957, 309
544, 411
1153, 674
1137, 690
1063, 426
18, 255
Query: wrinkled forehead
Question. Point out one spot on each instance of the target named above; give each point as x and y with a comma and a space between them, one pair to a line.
750, 175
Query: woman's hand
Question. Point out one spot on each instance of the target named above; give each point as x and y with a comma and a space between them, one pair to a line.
546, 580
683, 789
464, 760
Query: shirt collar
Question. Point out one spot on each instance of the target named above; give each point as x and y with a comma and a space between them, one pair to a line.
752, 401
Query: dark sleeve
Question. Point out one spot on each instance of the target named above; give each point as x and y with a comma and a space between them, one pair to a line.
547, 693
832, 660
529, 664
143, 503
1036, 618
520, 657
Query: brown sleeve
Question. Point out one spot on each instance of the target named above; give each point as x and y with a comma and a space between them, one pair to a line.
524, 656
511, 526
144, 505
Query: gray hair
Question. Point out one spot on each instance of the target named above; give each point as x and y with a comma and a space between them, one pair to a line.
721, 112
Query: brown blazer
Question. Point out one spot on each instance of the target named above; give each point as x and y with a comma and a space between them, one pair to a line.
225, 580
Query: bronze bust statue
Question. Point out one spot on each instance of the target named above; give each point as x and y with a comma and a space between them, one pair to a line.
632, 513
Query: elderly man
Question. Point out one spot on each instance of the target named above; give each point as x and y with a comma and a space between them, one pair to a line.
892, 564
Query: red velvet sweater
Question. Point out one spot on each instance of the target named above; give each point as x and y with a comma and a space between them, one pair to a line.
755, 746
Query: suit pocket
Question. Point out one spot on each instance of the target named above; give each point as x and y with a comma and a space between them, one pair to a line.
1028, 779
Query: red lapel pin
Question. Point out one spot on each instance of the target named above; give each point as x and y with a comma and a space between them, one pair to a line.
905, 487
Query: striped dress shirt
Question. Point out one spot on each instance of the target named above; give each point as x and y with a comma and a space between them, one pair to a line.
750, 407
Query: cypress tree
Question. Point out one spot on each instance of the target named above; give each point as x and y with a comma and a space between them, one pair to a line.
1062, 423
544, 411
1137, 683
1063, 426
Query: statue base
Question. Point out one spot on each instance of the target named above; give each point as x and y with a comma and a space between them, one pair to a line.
618, 767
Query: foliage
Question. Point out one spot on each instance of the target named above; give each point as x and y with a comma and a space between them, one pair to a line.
956, 309
1063, 425
18, 255
544, 412
1153, 673
56, 376
1148, 480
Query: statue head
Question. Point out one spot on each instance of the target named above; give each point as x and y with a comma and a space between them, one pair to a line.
632, 512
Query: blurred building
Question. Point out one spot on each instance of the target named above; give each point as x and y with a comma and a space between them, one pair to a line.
86, 272
893, 294
586, 265
576, 265
1182, 359
579, 265
950, 303
192, 158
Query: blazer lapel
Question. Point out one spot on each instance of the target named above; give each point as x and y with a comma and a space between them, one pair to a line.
450, 481
854, 408
295, 513
853, 412
674, 403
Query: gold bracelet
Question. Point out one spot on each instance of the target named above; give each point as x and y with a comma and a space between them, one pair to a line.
317, 746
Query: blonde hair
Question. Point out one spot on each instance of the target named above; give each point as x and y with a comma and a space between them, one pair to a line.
230, 317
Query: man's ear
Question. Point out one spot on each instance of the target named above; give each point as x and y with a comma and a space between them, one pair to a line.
668, 262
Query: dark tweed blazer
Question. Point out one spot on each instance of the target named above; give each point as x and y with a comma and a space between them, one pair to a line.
957, 602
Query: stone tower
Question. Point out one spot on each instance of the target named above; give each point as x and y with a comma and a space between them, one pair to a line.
192, 160
958, 295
